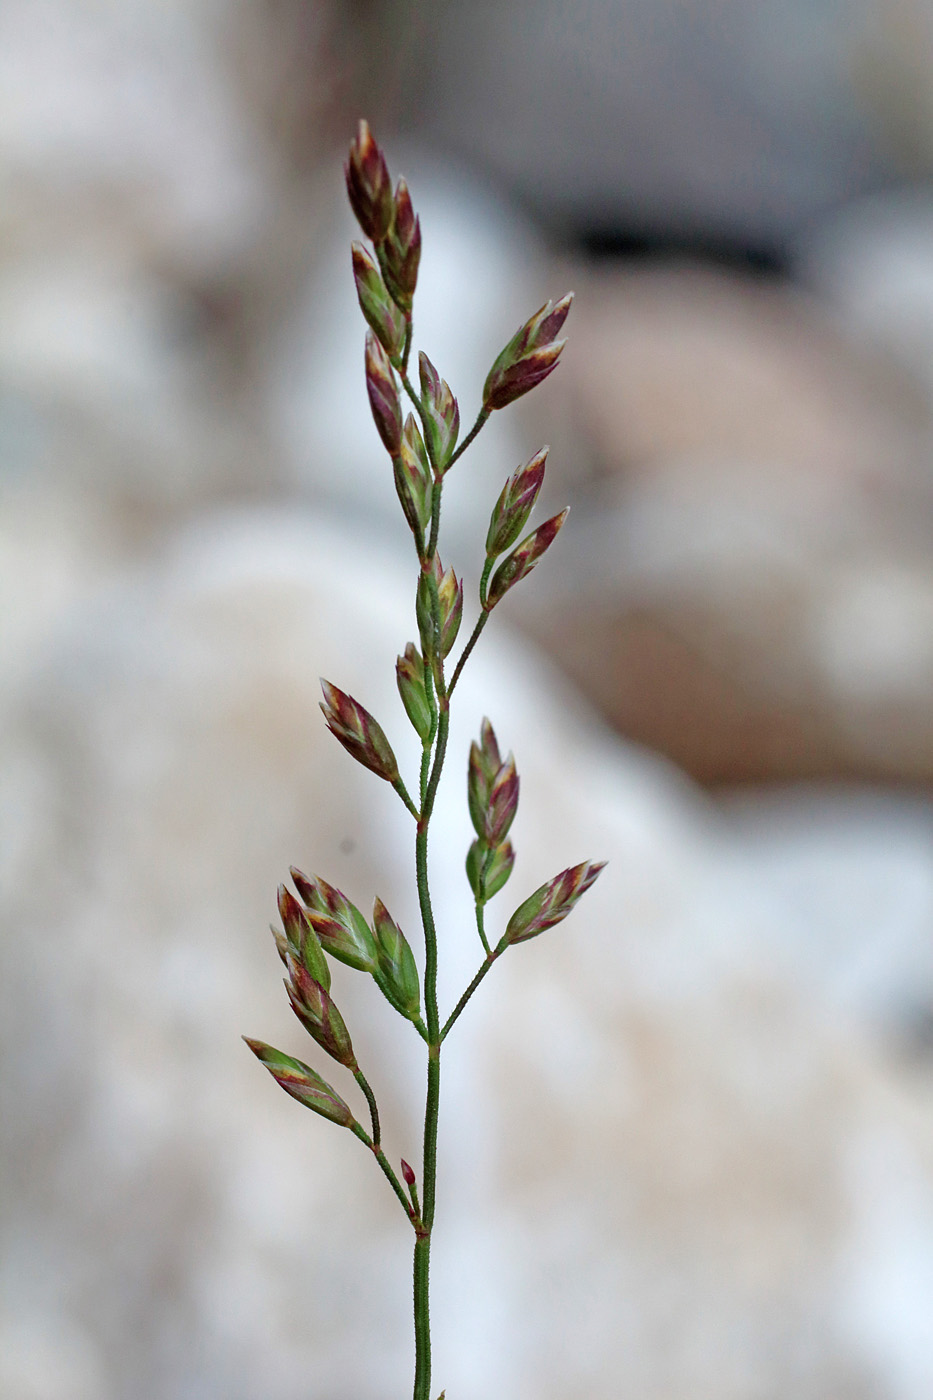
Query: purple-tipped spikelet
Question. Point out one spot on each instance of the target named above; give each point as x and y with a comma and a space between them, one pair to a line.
414, 479
401, 251
315, 1009
529, 357
360, 734
522, 560
383, 396
409, 673
397, 976
381, 312
339, 925
492, 798
489, 748
487, 876
483, 767
306, 888
408, 1176
514, 506
301, 938
450, 594
368, 185
450, 601
302, 1083
281, 943
424, 608
550, 903
442, 414
502, 804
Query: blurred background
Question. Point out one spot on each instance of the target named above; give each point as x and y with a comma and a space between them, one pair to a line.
722, 679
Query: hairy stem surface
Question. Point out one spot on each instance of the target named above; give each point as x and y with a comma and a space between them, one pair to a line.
490, 959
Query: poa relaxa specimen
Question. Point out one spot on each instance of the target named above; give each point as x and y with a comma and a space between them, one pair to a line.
322, 922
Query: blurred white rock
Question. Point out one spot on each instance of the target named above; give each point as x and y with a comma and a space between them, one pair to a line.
156, 216
128, 108
873, 262
118, 389
680, 1142
676, 361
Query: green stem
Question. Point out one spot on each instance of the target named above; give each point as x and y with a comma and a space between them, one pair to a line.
428, 743
464, 657
422, 1259
435, 519
406, 349
422, 1030
422, 1269
359, 1131
490, 959
440, 730
425, 769
415, 397
480, 423
424, 896
363, 1082
484, 582
402, 791
481, 924
481, 899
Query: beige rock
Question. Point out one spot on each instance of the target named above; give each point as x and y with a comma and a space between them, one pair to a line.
748, 590
679, 362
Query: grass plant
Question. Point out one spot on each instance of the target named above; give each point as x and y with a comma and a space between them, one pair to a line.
319, 922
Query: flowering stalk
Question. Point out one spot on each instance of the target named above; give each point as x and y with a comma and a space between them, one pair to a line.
322, 922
